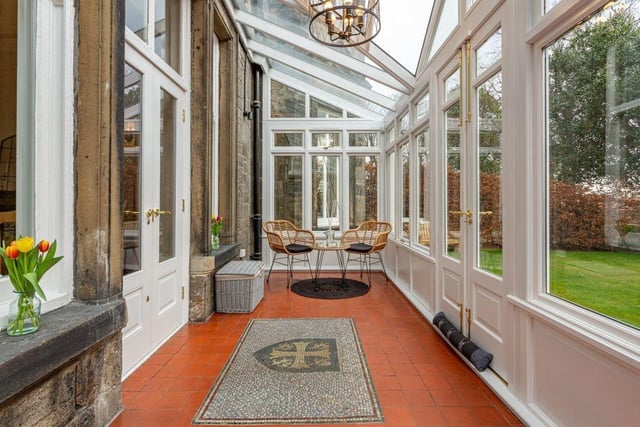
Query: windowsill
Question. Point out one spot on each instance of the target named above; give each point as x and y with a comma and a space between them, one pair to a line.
63, 335
224, 254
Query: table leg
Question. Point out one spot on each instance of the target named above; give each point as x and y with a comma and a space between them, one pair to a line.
342, 266
319, 260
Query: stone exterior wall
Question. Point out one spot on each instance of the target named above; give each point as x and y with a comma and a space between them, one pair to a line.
235, 170
68, 373
245, 153
83, 392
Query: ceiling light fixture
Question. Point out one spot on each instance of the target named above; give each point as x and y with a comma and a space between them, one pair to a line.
343, 23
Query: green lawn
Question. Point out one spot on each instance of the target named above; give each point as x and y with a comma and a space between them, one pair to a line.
606, 282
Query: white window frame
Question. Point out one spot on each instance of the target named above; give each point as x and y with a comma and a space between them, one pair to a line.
608, 335
45, 116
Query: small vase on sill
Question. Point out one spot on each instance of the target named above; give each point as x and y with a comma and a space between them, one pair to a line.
215, 241
24, 314
329, 235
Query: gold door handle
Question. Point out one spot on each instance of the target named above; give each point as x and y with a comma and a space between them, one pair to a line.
130, 212
468, 215
485, 213
149, 213
158, 212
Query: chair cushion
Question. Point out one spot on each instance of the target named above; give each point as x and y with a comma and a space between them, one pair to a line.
298, 249
359, 247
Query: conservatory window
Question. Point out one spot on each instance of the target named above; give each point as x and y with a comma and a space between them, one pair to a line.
422, 108
391, 188
363, 189
323, 110
363, 139
406, 195
167, 16
326, 139
325, 192
593, 151
288, 139
424, 188
404, 124
287, 184
286, 101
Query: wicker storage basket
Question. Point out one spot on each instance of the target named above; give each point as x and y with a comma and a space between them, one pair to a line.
239, 287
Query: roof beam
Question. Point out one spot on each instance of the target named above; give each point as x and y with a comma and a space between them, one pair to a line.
386, 62
325, 52
323, 75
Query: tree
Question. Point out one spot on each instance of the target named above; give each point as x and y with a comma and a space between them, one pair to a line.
599, 55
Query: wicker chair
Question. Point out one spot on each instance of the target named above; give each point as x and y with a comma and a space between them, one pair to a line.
286, 239
368, 239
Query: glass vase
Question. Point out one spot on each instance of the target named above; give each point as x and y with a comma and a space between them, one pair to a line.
215, 241
329, 235
24, 314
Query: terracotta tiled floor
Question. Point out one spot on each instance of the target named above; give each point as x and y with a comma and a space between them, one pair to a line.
419, 380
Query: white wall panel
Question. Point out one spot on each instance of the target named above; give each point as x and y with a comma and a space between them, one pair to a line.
575, 385
423, 279
404, 265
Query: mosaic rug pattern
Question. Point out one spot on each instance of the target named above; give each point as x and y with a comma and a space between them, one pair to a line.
294, 371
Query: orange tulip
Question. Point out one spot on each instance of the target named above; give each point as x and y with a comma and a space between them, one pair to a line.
12, 252
44, 246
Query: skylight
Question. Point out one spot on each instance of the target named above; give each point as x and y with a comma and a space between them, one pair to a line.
404, 25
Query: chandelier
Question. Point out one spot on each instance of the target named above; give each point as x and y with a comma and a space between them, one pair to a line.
343, 23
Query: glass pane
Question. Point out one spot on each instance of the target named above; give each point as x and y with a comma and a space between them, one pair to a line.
319, 109
391, 133
326, 140
287, 139
452, 120
405, 190
286, 101
166, 244
489, 52
447, 21
404, 124
549, 4
452, 85
594, 163
490, 175
391, 188
131, 249
362, 139
351, 115
136, 16
9, 134
422, 108
167, 32
288, 189
363, 189
325, 190
424, 188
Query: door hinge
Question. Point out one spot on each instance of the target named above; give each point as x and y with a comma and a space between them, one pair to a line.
184, 116
182, 205
182, 292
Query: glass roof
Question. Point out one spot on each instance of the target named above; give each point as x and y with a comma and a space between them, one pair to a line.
366, 76
405, 46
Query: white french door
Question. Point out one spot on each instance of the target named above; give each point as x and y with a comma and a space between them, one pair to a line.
472, 293
153, 242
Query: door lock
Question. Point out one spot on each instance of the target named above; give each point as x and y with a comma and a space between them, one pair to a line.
150, 215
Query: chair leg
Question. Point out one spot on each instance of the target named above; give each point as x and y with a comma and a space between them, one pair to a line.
289, 270
275, 254
367, 259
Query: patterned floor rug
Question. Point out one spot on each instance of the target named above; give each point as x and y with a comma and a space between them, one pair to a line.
294, 371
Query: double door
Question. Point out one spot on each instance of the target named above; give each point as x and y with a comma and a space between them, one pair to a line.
153, 229
472, 291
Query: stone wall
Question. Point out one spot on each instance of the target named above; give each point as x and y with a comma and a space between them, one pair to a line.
245, 153
83, 392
